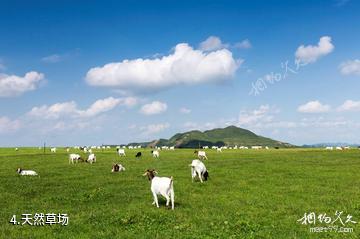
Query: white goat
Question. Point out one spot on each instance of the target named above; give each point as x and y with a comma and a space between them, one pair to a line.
161, 186
53, 150
91, 159
117, 168
219, 150
201, 154
155, 153
26, 172
74, 157
121, 152
198, 169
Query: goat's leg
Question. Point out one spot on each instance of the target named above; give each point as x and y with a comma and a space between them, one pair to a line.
200, 177
156, 199
172, 198
167, 199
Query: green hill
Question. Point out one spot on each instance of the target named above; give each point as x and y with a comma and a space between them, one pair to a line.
229, 136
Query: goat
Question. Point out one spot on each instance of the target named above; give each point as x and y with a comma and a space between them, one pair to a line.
121, 152
200, 154
117, 168
198, 168
155, 153
161, 186
91, 159
53, 150
138, 155
26, 172
74, 157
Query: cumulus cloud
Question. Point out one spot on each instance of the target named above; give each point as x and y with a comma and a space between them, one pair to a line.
155, 107
313, 107
212, 43
310, 53
70, 109
184, 65
245, 44
185, 110
252, 117
350, 67
8, 125
12, 85
349, 105
154, 128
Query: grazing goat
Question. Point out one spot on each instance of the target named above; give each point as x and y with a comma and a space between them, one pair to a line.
74, 157
198, 168
219, 150
53, 150
161, 186
117, 168
121, 152
155, 153
26, 172
91, 159
138, 155
200, 154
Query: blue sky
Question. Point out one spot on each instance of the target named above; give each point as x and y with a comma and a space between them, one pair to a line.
95, 72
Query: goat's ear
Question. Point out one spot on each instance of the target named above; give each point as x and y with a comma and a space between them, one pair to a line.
144, 174
155, 172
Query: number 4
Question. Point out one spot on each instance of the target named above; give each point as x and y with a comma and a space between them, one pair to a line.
13, 220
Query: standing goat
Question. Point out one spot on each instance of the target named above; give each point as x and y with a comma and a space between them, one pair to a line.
155, 153
161, 186
91, 159
200, 154
198, 169
74, 157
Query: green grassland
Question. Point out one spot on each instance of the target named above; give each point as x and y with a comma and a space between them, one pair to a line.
250, 194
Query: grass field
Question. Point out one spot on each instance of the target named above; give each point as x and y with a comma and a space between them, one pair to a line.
250, 194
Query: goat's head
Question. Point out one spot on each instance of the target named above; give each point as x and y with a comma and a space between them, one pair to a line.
115, 168
150, 173
18, 170
195, 152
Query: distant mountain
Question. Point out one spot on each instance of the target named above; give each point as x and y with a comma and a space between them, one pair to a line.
322, 145
229, 136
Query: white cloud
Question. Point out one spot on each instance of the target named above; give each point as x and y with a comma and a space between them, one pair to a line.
70, 109
183, 66
100, 106
154, 128
185, 110
350, 105
253, 117
313, 107
54, 111
309, 54
12, 85
245, 44
52, 58
155, 107
351, 67
8, 125
212, 43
